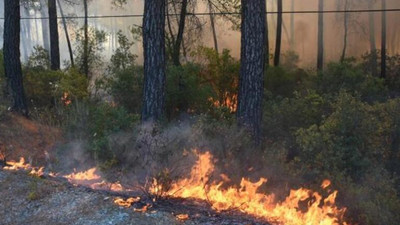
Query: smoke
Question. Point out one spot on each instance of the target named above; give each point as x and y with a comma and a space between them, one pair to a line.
305, 29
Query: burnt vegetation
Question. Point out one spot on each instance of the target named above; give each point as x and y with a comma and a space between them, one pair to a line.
294, 124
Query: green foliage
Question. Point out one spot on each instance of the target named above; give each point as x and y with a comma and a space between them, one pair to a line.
345, 143
46, 88
284, 82
349, 76
123, 57
186, 91
283, 117
40, 59
103, 121
95, 47
125, 87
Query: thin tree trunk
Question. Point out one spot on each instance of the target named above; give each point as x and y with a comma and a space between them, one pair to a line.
278, 34
12, 60
154, 60
292, 42
383, 44
86, 41
372, 41
249, 112
212, 22
320, 57
179, 37
266, 40
54, 38
71, 54
45, 30
346, 31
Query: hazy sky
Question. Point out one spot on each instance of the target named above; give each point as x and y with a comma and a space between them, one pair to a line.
305, 28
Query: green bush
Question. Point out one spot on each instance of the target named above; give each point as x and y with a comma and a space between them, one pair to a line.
350, 76
186, 90
46, 88
283, 82
103, 121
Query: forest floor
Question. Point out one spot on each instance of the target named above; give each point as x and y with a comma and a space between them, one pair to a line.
28, 200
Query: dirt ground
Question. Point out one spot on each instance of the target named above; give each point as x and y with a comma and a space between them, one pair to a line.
30, 200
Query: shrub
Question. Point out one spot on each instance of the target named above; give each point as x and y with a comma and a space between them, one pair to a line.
280, 81
349, 76
186, 91
103, 121
46, 88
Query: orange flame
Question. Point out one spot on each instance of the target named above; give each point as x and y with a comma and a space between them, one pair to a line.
126, 203
246, 198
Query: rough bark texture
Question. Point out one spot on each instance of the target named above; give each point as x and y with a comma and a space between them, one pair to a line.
71, 55
12, 61
320, 57
86, 41
54, 42
251, 80
383, 44
278, 34
154, 60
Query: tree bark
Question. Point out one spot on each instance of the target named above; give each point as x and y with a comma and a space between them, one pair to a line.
372, 41
12, 61
346, 31
154, 60
266, 40
45, 30
292, 41
54, 38
179, 38
383, 44
212, 22
320, 57
251, 81
86, 41
278, 34
71, 54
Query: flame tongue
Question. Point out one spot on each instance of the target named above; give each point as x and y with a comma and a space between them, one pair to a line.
246, 199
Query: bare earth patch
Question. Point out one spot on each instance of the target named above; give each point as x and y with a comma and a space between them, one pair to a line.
25, 199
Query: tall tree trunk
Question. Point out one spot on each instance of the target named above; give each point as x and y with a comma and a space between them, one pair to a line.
212, 22
45, 30
54, 39
292, 42
346, 31
154, 60
278, 34
249, 112
12, 61
372, 41
320, 57
86, 41
266, 39
71, 54
383, 44
179, 37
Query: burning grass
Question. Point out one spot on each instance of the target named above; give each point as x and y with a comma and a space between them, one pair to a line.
245, 198
301, 206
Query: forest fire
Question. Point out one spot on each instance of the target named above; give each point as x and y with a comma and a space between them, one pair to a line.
302, 206
246, 199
